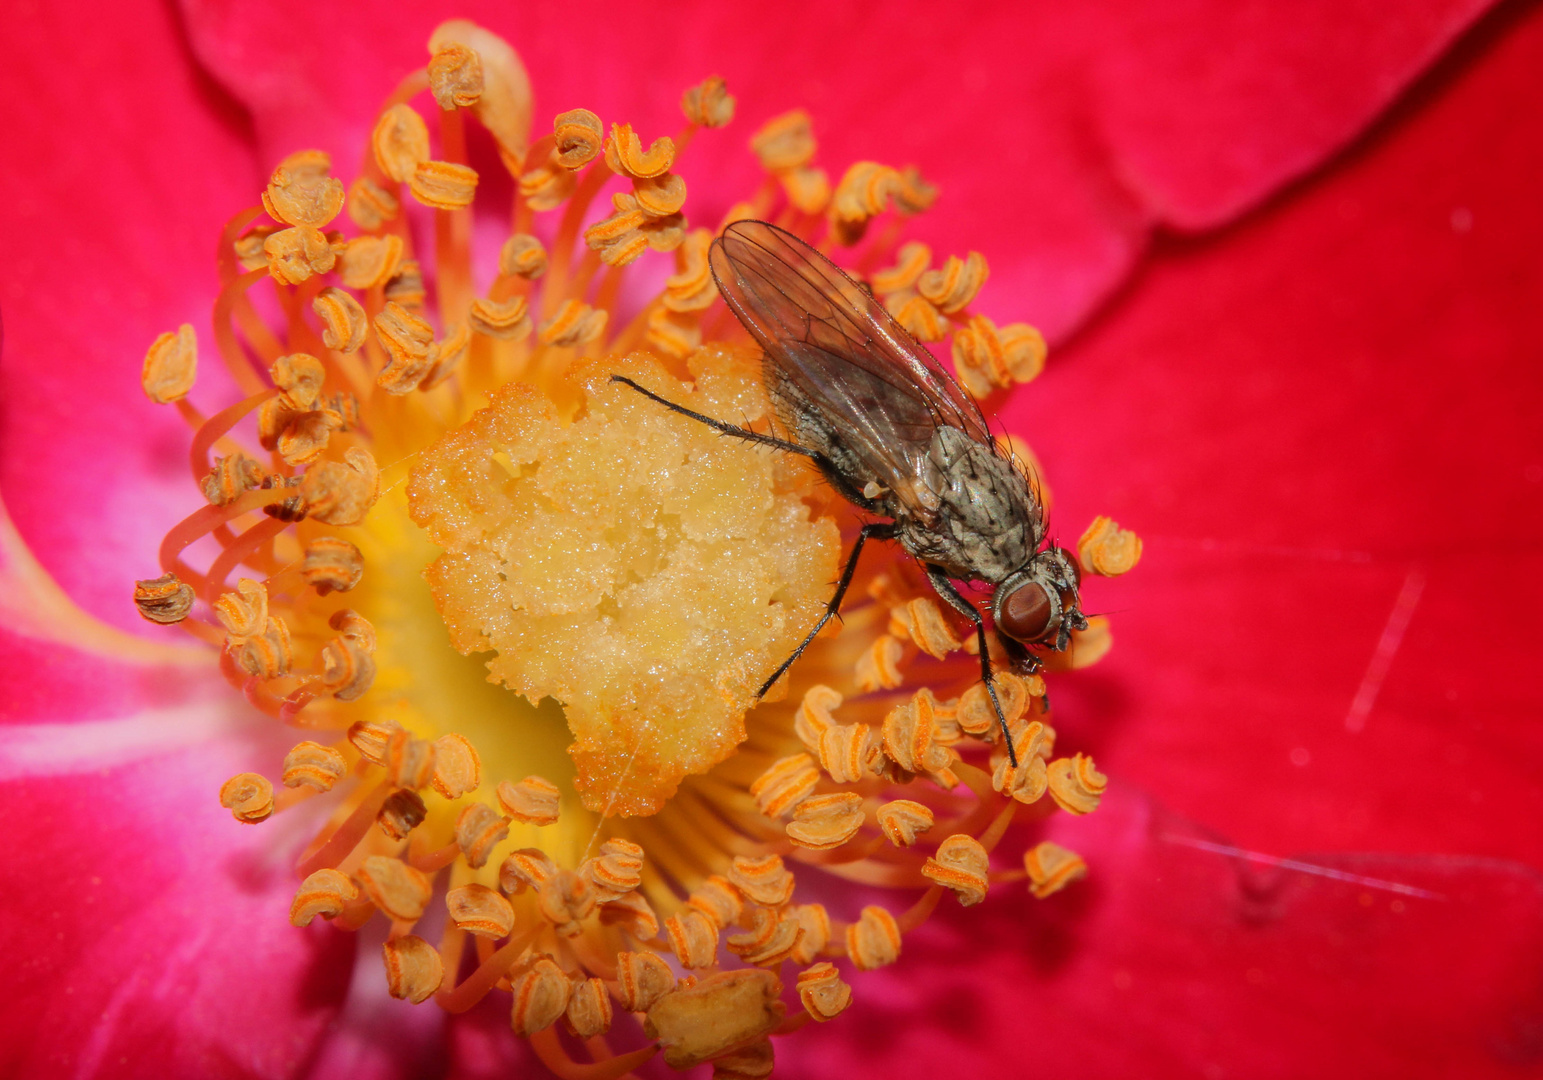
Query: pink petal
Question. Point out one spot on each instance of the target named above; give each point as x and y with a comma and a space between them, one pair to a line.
126, 162
149, 931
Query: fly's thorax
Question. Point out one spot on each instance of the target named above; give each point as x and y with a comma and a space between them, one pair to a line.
985, 520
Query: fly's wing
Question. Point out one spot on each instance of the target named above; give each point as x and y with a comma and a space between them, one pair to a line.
872, 383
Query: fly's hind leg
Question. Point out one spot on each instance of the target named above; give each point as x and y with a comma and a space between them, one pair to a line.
732, 430
946, 590
881, 530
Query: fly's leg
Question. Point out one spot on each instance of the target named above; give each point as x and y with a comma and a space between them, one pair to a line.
882, 530
946, 590
719, 426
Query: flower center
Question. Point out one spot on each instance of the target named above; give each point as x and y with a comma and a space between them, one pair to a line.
429, 488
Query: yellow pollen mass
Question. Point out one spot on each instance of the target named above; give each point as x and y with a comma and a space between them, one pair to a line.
628, 562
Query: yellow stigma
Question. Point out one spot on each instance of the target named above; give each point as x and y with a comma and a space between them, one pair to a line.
520, 614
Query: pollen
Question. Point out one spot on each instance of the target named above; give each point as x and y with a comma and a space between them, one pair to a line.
822, 992
534, 800
661, 673
313, 765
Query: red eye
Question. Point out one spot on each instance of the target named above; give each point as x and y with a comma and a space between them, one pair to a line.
1025, 613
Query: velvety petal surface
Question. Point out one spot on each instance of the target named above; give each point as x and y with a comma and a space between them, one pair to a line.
123, 162
147, 930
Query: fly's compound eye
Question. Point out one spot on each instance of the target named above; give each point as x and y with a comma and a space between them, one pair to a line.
1028, 613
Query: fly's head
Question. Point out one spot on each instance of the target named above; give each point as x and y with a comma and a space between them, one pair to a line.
1040, 604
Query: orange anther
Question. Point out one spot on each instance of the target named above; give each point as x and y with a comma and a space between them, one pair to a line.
719, 900
770, 938
719, 1013
446, 355
243, 613
457, 766
633, 913
347, 669
455, 76
616, 871
691, 287
878, 668
547, 185
409, 762
314, 765
248, 797
402, 812
822, 822
165, 600
399, 890
953, 285
341, 494
642, 978
660, 196
844, 751
1076, 785
294, 254
911, 261
708, 103
324, 893
480, 910
975, 713
370, 205
413, 968
265, 655
400, 142
332, 564
578, 135
525, 868
873, 941
171, 364
624, 153
822, 992
693, 938
920, 318
230, 478
566, 900
1031, 743
443, 185
1108, 550
575, 323
764, 880
507, 321
961, 864
985, 356
1051, 868
787, 783
535, 800
814, 927
675, 334
522, 256
370, 737
814, 715
807, 188
370, 261
589, 1008
785, 142
300, 191
902, 820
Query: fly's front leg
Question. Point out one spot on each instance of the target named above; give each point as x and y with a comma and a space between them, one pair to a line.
732, 430
946, 590
881, 530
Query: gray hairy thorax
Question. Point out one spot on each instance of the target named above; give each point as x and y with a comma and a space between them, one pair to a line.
986, 522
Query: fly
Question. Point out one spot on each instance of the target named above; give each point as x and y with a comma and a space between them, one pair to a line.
898, 437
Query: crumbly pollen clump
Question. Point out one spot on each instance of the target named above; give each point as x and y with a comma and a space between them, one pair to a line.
632, 563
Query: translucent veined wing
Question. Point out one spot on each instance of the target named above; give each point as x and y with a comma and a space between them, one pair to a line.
880, 392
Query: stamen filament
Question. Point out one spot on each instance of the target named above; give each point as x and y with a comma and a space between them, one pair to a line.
554, 1057
346, 836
